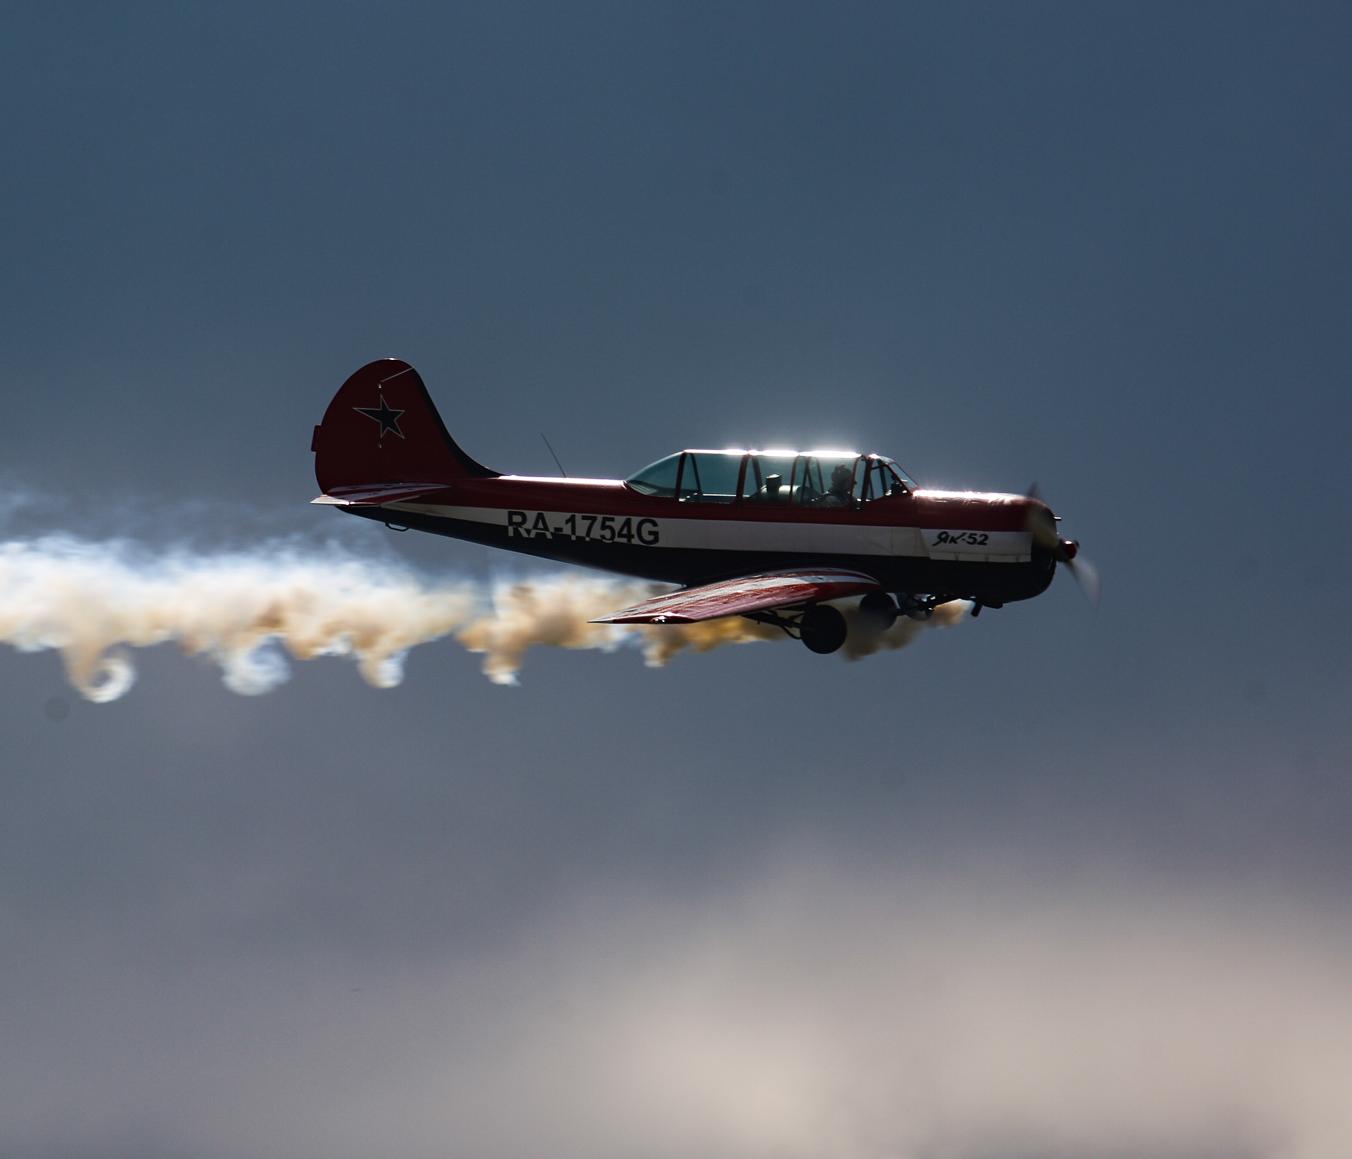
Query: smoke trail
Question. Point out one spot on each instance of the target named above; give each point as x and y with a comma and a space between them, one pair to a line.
247, 610
865, 639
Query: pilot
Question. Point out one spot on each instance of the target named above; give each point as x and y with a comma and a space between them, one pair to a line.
842, 479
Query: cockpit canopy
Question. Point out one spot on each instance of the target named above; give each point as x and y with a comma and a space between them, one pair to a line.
806, 478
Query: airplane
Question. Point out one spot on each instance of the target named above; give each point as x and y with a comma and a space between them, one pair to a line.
778, 536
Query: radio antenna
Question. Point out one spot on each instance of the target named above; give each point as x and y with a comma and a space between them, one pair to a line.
556, 458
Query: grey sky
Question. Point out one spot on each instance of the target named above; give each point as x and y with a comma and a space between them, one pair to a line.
754, 903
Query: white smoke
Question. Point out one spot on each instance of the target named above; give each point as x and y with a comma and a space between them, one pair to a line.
248, 611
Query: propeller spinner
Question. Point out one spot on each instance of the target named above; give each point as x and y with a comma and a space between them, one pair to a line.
1042, 523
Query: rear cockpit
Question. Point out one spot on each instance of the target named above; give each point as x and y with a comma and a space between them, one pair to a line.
802, 478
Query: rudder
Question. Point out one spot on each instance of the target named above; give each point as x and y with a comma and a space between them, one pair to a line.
382, 428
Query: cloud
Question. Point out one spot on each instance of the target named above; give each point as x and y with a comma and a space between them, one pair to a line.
818, 1014
807, 1011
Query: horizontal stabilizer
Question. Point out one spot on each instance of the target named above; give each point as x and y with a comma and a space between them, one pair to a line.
374, 494
764, 592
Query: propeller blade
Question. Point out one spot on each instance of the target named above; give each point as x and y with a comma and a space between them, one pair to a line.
1086, 575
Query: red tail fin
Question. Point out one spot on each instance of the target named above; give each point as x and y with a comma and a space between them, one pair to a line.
382, 428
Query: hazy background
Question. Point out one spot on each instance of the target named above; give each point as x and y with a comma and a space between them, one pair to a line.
1053, 883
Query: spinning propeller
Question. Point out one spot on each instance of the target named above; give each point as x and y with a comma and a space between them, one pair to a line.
1042, 523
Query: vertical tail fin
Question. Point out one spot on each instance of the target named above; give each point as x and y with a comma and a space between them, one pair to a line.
381, 428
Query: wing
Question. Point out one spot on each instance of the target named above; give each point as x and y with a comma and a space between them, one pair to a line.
764, 592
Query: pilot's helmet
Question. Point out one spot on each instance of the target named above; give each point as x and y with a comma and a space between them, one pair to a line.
841, 478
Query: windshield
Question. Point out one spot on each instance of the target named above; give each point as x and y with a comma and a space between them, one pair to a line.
906, 481
657, 478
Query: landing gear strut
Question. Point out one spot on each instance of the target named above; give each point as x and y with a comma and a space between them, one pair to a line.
821, 627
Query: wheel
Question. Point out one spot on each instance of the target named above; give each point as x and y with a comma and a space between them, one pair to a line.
822, 629
878, 611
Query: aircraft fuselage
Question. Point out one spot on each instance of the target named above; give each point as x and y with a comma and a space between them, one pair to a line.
963, 544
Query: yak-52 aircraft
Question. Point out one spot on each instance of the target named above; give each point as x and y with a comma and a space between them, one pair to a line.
771, 535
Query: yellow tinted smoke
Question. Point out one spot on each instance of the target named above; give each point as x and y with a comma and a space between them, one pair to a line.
93, 601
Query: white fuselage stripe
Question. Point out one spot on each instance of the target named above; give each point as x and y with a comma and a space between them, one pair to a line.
748, 535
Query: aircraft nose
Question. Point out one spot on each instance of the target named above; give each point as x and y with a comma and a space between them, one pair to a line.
1041, 521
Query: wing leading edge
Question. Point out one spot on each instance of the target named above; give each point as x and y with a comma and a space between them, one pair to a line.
764, 592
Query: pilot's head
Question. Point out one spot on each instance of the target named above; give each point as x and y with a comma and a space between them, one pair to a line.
841, 478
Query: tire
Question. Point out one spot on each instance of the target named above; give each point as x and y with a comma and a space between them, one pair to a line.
822, 629
878, 611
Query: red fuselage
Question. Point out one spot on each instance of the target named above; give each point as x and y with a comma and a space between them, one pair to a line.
958, 544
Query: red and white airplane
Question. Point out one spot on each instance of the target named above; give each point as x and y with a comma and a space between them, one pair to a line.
772, 535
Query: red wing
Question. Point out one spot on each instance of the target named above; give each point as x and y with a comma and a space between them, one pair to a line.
749, 593
374, 494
